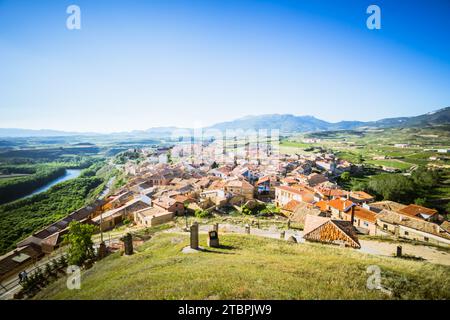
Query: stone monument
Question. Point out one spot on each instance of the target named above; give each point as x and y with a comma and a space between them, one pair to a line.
213, 239
102, 250
194, 236
128, 244
399, 251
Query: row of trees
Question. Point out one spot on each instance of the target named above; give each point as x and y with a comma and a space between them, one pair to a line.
14, 188
401, 188
23, 217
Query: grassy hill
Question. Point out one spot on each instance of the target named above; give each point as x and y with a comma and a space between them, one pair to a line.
249, 267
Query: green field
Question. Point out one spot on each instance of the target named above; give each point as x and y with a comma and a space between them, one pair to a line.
248, 267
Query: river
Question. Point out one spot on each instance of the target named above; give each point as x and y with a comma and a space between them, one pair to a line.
70, 174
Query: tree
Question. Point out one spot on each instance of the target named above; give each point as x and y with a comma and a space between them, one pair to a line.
394, 187
447, 208
420, 201
214, 165
345, 177
199, 213
360, 159
81, 246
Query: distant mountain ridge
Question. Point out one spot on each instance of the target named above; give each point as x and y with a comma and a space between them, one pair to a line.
291, 123
286, 123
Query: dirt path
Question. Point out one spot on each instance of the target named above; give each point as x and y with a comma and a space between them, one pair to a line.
430, 254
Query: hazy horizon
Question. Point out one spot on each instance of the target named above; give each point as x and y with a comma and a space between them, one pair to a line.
137, 64
206, 125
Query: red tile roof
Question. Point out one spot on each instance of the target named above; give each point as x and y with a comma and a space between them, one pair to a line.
414, 210
340, 204
291, 205
322, 205
365, 214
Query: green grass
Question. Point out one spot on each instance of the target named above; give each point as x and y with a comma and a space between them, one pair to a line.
390, 163
248, 267
295, 144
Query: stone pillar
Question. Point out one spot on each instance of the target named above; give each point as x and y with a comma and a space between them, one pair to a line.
289, 224
399, 251
247, 229
194, 236
128, 244
102, 250
282, 234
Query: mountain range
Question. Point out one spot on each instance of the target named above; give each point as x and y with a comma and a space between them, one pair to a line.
286, 123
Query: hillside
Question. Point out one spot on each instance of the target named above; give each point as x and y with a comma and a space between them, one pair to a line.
248, 267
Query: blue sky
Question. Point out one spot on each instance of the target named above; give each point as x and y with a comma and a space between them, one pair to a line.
140, 64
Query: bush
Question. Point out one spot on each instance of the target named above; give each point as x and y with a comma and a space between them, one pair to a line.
201, 213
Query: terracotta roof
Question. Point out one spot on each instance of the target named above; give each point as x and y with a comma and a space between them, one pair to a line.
348, 229
239, 183
365, 214
322, 205
387, 205
302, 210
218, 184
295, 189
414, 210
413, 223
340, 204
289, 180
360, 195
183, 199
329, 192
164, 202
291, 205
152, 211
314, 222
263, 179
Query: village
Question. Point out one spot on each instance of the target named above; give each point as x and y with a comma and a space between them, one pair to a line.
191, 180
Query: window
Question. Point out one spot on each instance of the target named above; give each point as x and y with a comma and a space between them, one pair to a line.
385, 227
406, 233
366, 224
426, 239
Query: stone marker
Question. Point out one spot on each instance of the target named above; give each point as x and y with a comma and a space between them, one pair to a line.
399, 251
102, 250
247, 229
194, 236
292, 239
282, 234
128, 243
213, 239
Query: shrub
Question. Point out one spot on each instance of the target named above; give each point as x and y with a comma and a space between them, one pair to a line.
201, 213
